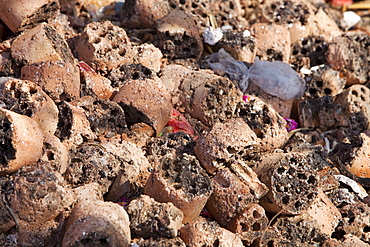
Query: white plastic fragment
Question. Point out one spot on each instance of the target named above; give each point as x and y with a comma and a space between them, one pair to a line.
236, 70
305, 71
211, 36
277, 78
358, 189
350, 19
246, 33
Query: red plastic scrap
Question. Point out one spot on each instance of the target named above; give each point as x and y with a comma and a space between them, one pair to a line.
178, 123
340, 2
85, 67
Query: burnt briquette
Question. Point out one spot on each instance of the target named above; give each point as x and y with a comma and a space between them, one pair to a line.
8, 66
287, 12
177, 45
322, 113
142, 13
293, 181
185, 173
65, 118
210, 98
228, 13
297, 230
198, 8
356, 221
236, 39
204, 232
90, 162
324, 82
312, 48
160, 242
354, 101
177, 143
21, 100
104, 46
231, 196
7, 151
249, 224
42, 14
37, 193
350, 109
59, 44
178, 36
7, 218
267, 124
160, 219
349, 54
129, 71
106, 117
242, 47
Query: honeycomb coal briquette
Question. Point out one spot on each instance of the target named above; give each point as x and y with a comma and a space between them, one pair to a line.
18, 147
293, 181
90, 162
27, 98
199, 9
322, 113
104, 46
356, 110
8, 66
250, 223
159, 242
349, 54
177, 143
296, 16
241, 47
106, 117
37, 193
226, 143
203, 232
299, 229
324, 82
355, 221
286, 12
308, 52
231, 195
149, 218
143, 13
209, 97
73, 125
65, 122
94, 222
7, 149
229, 13
272, 41
178, 36
182, 181
125, 72
267, 124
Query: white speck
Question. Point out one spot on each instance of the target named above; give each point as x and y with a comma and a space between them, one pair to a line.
246, 33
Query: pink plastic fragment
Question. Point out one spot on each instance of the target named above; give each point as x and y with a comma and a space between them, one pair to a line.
246, 98
123, 201
291, 124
